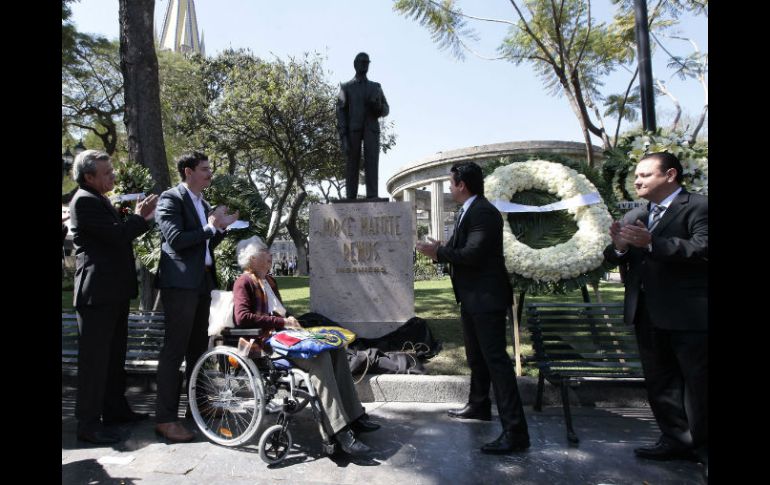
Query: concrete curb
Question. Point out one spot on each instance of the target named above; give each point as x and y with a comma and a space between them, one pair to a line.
454, 389
422, 388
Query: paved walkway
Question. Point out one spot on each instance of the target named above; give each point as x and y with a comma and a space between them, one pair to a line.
418, 444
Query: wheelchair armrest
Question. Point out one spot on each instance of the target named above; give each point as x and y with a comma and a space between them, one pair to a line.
237, 332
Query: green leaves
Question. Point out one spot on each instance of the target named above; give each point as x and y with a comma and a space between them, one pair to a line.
618, 105
443, 19
237, 193
540, 229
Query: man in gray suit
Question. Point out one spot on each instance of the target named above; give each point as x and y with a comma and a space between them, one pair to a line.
664, 249
105, 282
190, 231
359, 103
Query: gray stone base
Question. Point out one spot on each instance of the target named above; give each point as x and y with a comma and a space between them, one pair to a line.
454, 389
371, 329
418, 388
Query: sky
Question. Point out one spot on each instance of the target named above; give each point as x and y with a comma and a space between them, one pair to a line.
437, 102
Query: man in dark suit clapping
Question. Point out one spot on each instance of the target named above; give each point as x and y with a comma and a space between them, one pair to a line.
481, 286
664, 249
105, 282
190, 230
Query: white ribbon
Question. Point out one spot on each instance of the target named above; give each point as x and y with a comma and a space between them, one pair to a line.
577, 201
238, 225
127, 197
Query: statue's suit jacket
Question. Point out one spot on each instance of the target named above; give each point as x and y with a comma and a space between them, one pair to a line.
674, 275
183, 240
105, 270
360, 103
475, 251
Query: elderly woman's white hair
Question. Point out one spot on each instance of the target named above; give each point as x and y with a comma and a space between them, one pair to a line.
248, 248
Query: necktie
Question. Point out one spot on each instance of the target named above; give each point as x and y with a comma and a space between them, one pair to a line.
656, 213
457, 218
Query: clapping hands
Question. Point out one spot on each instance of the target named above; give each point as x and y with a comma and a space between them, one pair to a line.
220, 218
428, 248
635, 234
146, 207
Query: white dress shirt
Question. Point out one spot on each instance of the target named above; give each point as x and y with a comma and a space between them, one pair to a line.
198, 203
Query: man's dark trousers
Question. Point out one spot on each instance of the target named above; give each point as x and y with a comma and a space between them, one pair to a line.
484, 335
371, 161
103, 330
680, 404
186, 338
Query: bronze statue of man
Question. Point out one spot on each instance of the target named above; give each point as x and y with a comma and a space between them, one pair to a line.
359, 105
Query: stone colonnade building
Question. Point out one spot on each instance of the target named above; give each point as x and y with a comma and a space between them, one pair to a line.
426, 181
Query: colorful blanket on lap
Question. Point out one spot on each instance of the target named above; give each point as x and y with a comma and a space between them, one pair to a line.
307, 342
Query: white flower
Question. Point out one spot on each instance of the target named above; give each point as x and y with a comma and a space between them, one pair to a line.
582, 253
694, 165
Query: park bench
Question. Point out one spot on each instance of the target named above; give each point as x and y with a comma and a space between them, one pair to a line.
581, 342
145, 339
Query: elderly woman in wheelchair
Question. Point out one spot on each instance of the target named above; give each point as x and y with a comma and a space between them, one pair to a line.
229, 393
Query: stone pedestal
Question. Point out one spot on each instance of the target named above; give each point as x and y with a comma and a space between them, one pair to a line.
361, 267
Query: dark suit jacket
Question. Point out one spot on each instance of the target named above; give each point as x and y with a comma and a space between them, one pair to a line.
105, 270
475, 251
675, 273
183, 240
359, 104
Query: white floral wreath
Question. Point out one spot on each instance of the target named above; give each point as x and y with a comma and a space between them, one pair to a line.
583, 252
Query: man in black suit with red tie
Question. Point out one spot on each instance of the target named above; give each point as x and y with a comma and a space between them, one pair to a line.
664, 249
105, 282
481, 286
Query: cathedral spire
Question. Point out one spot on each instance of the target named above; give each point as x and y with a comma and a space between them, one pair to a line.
180, 28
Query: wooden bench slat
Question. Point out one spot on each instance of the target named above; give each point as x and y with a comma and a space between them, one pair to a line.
575, 342
577, 321
552, 335
146, 332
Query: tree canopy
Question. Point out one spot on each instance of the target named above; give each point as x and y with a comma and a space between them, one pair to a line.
565, 45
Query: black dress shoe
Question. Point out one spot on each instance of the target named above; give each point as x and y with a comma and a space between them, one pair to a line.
506, 443
99, 437
470, 411
131, 417
664, 451
364, 425
350, 445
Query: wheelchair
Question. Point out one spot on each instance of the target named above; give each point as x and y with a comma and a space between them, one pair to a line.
230, 394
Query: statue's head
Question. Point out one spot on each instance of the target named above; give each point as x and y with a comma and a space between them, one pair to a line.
361, 63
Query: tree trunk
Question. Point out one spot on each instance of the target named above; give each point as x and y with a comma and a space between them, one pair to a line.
300, 240
139, 65
701, 120
583, 125
589, 148
277, 211
232, 162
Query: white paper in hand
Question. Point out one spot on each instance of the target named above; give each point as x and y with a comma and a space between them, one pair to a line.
238, 225
127, 197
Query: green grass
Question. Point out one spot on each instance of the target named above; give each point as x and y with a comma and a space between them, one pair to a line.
295, 293
435, 302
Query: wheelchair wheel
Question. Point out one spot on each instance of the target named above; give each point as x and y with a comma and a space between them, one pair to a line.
226, 396
274, 444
